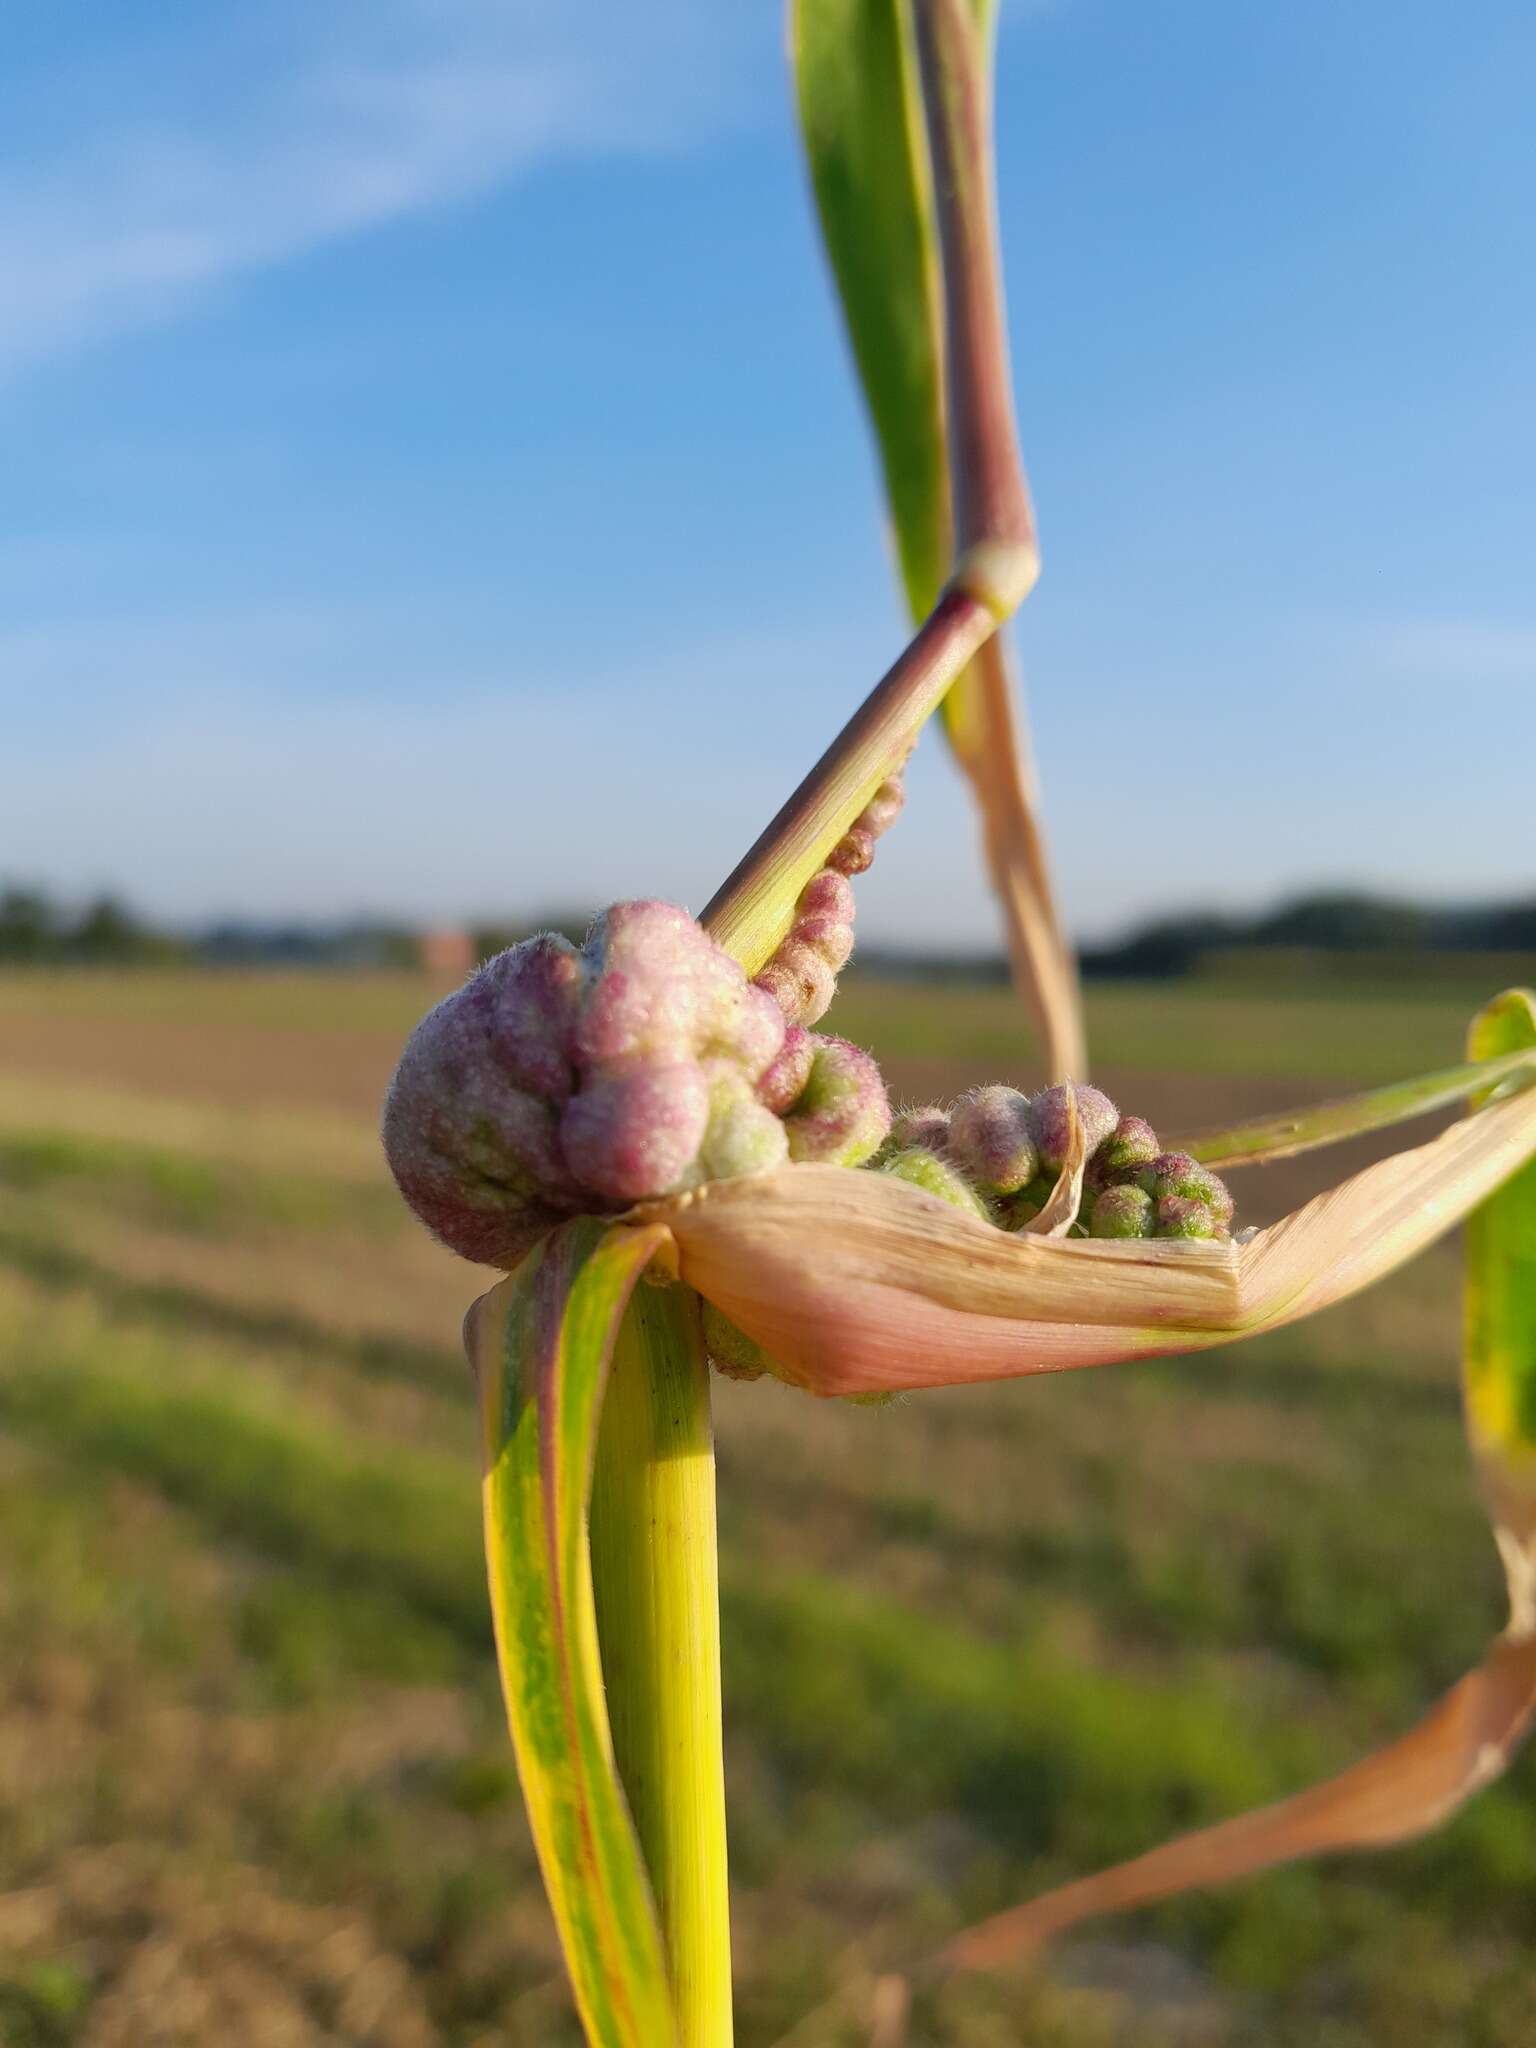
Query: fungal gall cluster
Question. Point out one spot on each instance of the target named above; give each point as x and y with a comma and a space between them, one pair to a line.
802, 975
999, 1154
562, 1082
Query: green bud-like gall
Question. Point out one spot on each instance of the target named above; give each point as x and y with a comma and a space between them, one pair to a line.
923, 1168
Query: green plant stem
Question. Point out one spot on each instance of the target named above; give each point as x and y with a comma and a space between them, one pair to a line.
996, 563
656, 1575
751, 910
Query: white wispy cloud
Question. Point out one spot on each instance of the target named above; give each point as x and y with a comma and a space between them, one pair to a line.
1457, 650
291, 124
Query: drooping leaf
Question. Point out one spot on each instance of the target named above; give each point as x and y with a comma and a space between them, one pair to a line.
1404, 1790
1465, 1741
541, 1344
986, 733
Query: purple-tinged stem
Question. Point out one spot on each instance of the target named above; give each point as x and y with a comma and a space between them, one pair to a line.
991, 498
991, 501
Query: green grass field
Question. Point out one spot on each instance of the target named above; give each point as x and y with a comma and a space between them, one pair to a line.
254, 1784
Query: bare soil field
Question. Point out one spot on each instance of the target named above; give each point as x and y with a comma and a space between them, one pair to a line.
254, 1784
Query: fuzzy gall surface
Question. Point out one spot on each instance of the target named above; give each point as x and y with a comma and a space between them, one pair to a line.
922, 1167
1121, 1212
999, 1153
842, 1114
993, 1130
928, 1126
1050, 1121
560, 1082
802, 975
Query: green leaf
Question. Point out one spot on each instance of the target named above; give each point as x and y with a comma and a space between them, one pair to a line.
868, 158
862, 122
541, 1343
1501, 1298
1328, 1123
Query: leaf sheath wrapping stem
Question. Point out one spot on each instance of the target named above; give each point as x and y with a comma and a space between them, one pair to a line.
656, 1577
540, 1343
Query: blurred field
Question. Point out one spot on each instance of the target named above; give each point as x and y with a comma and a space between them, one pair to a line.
254, 1786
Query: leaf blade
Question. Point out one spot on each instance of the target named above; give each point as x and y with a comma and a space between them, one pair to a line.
1499, 1339
1401, 1791
1501, 1272
862, 129
541, 1343
1352, 1116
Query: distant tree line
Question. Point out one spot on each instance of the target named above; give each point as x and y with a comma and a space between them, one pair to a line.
1339, 921
36, 930
1327, 926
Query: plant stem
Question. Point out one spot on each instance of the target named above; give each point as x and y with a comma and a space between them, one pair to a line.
996, 557
751, 911
991, 497
655, 1571
991, 500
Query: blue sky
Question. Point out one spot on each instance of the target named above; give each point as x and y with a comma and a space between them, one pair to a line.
433, 480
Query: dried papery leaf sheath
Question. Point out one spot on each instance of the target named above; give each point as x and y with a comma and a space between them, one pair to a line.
986, 733
1401, 1791
1065, 1150
857, 1283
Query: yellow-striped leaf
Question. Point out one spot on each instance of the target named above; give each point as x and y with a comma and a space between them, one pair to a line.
541, 1344
1501, 1303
